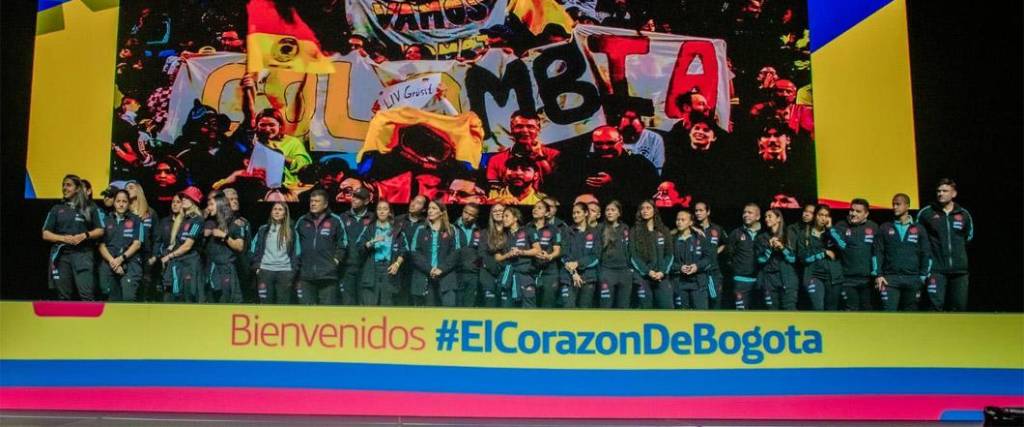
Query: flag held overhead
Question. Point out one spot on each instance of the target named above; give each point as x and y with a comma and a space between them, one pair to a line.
282, 42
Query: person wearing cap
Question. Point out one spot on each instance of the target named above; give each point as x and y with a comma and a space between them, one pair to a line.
181, 261
224, 240
121, 272
356, 220
73, 226
321, 244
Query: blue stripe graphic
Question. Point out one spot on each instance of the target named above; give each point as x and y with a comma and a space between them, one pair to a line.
517, 381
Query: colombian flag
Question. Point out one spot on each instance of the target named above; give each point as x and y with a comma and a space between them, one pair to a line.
536, 14
463, 133
278, 43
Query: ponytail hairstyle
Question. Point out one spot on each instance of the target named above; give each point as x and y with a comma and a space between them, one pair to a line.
79, 200
610, 236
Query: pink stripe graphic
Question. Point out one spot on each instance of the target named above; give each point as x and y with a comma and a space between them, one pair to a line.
67, 308
335, 402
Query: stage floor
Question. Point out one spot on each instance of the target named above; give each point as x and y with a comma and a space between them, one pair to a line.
88, 419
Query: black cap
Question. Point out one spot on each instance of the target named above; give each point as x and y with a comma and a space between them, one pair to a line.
361, 193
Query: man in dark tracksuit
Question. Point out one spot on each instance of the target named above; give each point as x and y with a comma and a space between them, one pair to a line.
905, 257
321, 245
356, 220
468, 234
243, 266
743, 255
716, 237
855, 239
950, 227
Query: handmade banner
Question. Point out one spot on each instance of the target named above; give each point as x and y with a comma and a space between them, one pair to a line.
444, 26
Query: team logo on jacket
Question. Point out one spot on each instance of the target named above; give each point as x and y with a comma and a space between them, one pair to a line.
128, 224
958, 221
849, 232
892, 232
869, 235
546, 234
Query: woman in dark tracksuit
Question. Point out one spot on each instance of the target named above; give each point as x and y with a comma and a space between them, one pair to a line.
381, 249
548, 236
73, 226
225, 239
272, 256
139, 206
777, 256
181, 261
121, 273
516, 282
823, 275
692, 261
161, 241
433, 250
582, 254
651, 257
615, 276
490, 245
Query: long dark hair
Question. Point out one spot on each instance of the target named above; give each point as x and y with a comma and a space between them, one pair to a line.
646, 239
495, 231
79, 200
781, 232
284, 230
223, 212
506, 242
610, 235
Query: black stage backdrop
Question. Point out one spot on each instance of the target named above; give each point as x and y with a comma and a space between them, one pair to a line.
968, 127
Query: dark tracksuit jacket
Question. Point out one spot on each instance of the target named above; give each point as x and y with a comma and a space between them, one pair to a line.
517, 273
692, 250
222, 261
469, 250
856, 244
716, 236
904, 250
949, 235
430, 249
584, 248
743, 255
616, 255
258, 246
548, 236
367, 257
661, 258
810, 250
320, 246
490, 268
774, 261
118, 236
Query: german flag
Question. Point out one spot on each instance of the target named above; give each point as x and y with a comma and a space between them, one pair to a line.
282, 42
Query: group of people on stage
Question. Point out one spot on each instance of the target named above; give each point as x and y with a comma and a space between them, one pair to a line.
206, 251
